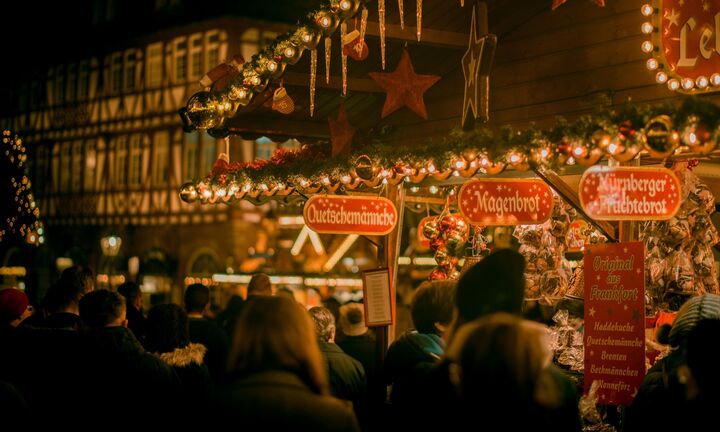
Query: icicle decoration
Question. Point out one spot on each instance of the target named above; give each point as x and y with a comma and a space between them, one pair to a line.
462, 3
313, 76
381, 15
328, 45
418, 14
363, 23
402, 14
343, 57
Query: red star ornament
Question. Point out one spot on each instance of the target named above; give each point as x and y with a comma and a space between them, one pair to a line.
404, 87
341, 132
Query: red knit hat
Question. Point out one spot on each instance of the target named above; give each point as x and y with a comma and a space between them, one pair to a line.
13, 303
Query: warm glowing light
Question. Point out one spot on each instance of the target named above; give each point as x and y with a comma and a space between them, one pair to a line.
247, 187
484, 161
345, 5
702, 82
652, 64
661, 77
340, 251
647, 28
263, 186
433, 189
544, 153
514, 158
304, 183
384, 173
325, 21
289, 52
687, 83
456, 173
612, 148
431, 168
715, 79
272, 66
646, 9
414, 189
647, 46
459, 164
221, 192
206, 193
326, 180
578, 151
345, 179
571, 161
673, 84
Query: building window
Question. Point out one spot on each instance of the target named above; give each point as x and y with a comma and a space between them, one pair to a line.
83, 80
154, 65
71, 82
180, 57
196, 56
65, 166
189, 161
59, 85
77, 158
116, 70
130, 58
90, 164
209, 153
161, 145
136, 160
264, 148
249, 43
121, 157
212, 43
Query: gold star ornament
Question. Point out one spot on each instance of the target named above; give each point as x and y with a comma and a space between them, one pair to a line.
476, 65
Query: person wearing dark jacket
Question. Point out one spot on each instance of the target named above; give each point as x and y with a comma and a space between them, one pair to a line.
168, 338
279, 382
205, 331
137, 322
117, 370
415, 352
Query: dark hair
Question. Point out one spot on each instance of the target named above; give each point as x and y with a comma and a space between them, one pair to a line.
197, 297
73, 284
701, 356
100, 308
495, 284
433, 302
130, 290
167, 328
259, 285
275, 333
324, 322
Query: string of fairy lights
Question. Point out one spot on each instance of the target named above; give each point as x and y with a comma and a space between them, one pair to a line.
661, 131
21, 214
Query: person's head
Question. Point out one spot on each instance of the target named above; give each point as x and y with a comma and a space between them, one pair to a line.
495, 284
324, 322
259, 285
275, 333
352, 319
703, 379
73, 284
501, 359
432, 306
13, 306
132, 293
103, 308
167, 328
287, 292
691, 313
197, 298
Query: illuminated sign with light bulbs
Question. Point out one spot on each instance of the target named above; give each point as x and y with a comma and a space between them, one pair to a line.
684, 44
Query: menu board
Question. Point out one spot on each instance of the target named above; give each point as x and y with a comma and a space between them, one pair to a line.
615, 320
378, 298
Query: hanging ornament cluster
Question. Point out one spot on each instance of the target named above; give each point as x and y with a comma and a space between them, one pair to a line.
448, 234
547, 272
19, 213
651, 131
680, 259
209, 109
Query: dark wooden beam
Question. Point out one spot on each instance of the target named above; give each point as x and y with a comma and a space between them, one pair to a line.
569, 195
252, 126
429, 36
301, 79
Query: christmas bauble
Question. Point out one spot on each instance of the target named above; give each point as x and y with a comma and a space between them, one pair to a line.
326, 21
240, 94
448, 222
346, 8
204, 110
698, 136
364, 168
437, 274
430, 229
437, 243
660, 139
188, 193
442, 258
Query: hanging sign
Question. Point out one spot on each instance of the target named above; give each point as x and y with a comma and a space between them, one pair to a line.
578, 237
364, 215
614, 334
683, 38
629, 193
505, 202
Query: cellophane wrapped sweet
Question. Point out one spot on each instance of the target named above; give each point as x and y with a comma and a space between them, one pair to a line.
592, 420
543, 246
679, 258
567, 341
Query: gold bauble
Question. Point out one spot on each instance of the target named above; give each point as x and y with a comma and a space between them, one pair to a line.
188, 193
364, 168
307, 37
205, 110
660, 138
345, 8
326, 21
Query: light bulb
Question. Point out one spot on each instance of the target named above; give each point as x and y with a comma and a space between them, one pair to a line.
433, 189
701, 81
652, 64
673, 84
431, 168
647, 46
661, 77
715, 79
289, 52
647, 28
646, 9
688, 83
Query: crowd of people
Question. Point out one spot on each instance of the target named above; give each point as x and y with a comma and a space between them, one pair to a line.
92, 357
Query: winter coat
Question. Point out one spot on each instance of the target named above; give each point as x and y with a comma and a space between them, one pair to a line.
190, 367
408, 361
279, 400
206, 332
119, 372
345, 374
137, 323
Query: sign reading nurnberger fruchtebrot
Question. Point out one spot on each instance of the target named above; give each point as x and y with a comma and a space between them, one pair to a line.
629, 193
350, 215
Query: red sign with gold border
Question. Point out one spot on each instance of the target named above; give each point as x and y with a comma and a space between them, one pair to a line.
685, 43
334, 214
505, 201
614, 334
629, 193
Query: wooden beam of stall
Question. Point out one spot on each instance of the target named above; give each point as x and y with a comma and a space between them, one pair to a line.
568, 194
